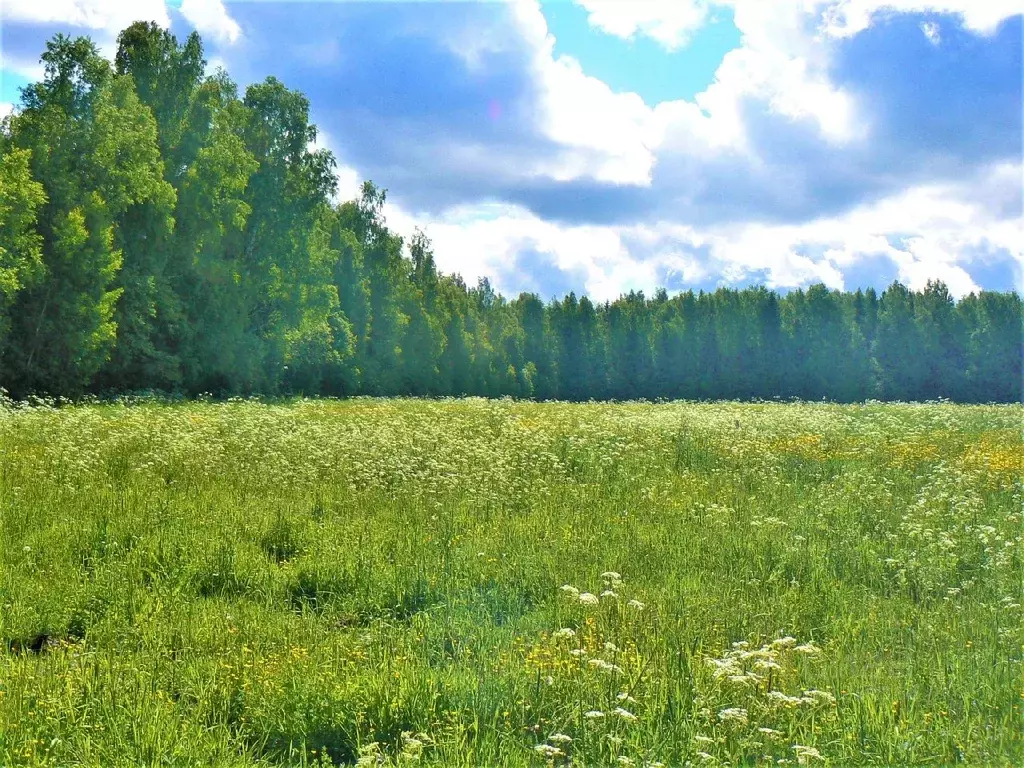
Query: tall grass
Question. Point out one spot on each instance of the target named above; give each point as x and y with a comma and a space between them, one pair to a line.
470, 583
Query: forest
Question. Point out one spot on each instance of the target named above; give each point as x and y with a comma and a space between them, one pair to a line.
161, 231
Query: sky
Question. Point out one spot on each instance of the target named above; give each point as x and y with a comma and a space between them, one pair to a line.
602, 146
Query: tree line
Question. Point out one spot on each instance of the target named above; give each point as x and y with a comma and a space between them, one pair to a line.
161, 231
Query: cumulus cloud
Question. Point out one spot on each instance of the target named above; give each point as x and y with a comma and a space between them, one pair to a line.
833, 144
932, 231
211, 18
932, 32
669, 22
110, 16
849, 17
100, 19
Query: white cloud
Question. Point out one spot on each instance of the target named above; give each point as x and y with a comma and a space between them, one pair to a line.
602, 132
211, 18
484, 241
669, 22
103, 18
942, 230
109, 15
616, 137
848, 17
5, 109
932, 32
939, 231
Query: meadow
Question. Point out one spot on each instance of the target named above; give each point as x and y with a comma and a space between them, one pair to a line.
500, 583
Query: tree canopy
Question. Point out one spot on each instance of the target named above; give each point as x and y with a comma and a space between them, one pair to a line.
161, 231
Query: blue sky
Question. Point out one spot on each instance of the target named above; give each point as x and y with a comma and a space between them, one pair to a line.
601, 146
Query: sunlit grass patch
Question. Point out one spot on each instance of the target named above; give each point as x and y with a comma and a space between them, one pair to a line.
472, 582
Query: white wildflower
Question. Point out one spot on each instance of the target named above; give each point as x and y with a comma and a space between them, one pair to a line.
594, 714
626, 697
605, 666
609, 594
559, 738
818, 697
548, 751
625, 714
736, 715
623, 760
610, 647
636, 605
808, 648
778, 697
588, 599
804, 755
563, 634
569, 589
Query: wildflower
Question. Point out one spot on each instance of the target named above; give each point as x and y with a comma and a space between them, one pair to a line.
623, 760
569, 589
733, 715
783, 643
611, 576
804, 755
412, 746
605, 666
818, 697
771, 733
578, 652
705, 756
548, 751
563, 633
610, 647
808, 648
724, 667
626, 697
588, 599
636, 605
594, 714
703, 739
26, 548
370, 755
778, 697
610, 594
625, 714
559, 738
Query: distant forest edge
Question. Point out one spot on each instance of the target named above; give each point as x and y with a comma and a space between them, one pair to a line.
157, 232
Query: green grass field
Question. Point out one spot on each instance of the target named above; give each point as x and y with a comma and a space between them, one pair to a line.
474, 583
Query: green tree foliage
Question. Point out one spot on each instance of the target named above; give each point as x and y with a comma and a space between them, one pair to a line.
21, 245
160, 231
